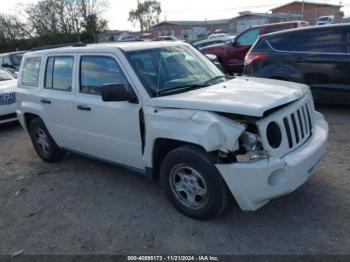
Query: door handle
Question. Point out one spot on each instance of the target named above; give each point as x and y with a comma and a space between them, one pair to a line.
83, 108
45, 101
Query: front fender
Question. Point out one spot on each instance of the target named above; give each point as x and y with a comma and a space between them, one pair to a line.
208, 130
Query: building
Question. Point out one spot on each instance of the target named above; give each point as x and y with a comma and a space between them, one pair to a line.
189, 30
193, 30
248, 19
312, 10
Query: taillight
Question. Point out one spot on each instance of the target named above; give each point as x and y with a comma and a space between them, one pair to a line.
250, 58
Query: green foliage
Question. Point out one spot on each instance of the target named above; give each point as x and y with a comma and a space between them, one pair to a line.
146, 14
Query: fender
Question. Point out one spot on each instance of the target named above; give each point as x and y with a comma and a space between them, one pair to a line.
206, 129
29, 108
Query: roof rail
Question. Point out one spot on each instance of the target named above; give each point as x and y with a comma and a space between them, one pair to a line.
77, 44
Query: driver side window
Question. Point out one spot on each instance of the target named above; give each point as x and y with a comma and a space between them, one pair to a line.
96, 71
248, 38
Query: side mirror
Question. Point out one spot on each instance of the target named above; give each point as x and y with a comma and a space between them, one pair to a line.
117, 92
234, 43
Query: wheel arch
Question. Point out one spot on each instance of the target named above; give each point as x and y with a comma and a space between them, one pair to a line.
163, 146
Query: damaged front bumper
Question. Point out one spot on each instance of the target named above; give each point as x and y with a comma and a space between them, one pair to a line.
255, 184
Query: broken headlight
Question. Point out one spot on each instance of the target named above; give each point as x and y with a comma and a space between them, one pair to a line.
251, 148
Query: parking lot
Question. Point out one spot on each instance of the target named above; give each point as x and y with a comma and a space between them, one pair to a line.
82, 206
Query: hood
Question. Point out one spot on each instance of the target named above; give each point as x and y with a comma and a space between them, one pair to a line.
214, 48
9, 85
243, 95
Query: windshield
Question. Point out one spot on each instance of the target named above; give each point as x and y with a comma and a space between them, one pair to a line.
173, 69
4, 75
323, 19
16, 59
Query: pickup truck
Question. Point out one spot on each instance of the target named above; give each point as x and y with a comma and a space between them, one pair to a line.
232, 55
167, 112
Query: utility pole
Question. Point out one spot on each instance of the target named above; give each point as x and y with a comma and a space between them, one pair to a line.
302, 10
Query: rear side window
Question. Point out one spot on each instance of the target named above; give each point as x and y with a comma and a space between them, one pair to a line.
328, 40
283, 42
59, 71
249, 37
30, 72
96, 71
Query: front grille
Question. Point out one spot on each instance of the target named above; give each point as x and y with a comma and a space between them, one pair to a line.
7, 98
295, 123
301, 127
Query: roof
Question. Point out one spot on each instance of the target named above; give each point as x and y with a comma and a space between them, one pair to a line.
269, 15
307, 28
308, 3
194, 23
13, 53
105, 47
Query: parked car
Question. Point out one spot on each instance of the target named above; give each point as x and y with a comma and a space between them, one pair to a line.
165, 38
214, 41
325, 20
217, 35
11, 61
8, 106
316, 56
232, 55
128, 38
165, 111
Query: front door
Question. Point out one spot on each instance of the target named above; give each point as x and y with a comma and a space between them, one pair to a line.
108, 130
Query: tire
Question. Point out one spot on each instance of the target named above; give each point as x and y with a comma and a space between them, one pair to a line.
43, 143
192, 183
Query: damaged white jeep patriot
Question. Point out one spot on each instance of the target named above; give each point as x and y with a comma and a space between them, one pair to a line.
164, 110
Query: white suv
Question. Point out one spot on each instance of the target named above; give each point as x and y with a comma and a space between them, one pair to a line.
164, 110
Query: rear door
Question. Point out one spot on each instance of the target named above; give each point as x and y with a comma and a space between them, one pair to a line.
236, 52
56, 98
321, 57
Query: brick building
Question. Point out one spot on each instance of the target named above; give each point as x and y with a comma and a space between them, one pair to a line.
312, 10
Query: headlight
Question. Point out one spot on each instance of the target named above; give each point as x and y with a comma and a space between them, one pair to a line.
252, 148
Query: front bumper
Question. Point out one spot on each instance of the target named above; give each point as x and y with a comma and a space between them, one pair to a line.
255, 184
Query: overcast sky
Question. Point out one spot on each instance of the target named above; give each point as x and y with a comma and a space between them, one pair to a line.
117, 13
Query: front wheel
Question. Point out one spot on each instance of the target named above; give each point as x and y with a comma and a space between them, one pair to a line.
193, 184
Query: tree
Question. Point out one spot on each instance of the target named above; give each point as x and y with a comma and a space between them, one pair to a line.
146, 14
48, 17
11, 28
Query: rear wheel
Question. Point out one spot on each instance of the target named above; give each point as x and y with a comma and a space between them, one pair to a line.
43, 143
193, 184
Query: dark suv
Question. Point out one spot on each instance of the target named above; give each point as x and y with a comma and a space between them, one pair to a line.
316, 56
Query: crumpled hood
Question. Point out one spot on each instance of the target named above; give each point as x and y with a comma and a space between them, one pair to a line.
243, 95
6, 86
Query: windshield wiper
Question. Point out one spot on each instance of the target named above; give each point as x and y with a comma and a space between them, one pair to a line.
180, 88
213, 79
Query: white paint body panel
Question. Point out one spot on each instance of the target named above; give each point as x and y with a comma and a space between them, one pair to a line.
242, 95
111, 130
252, 184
